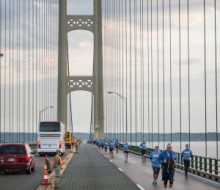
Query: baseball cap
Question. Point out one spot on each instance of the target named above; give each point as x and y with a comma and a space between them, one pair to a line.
156, 146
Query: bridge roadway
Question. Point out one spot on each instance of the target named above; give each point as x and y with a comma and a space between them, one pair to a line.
23, 181
93, 169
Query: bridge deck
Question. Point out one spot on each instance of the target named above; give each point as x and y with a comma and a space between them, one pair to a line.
90, 170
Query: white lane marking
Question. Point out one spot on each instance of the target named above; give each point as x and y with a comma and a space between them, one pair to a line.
110, 160
140, 187
120, 169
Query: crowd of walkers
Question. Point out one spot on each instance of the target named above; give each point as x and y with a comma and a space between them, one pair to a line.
165, 160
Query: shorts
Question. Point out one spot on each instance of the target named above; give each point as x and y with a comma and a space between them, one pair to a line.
168, 176
111, 149
143, 152
156, 170
186, 163
126, 152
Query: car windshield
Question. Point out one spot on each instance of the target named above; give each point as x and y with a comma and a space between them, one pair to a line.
12, 149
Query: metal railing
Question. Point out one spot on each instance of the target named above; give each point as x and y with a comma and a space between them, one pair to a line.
202, 166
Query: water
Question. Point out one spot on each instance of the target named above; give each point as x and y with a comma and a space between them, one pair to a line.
197, 147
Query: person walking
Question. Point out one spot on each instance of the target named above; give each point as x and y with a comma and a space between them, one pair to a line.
117, 145
143, 147
105, 145
57, 165
111, 148
168, 160
155, 164
187, 154
126, 151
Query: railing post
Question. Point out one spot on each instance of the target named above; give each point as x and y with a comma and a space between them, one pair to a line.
200, 163
196, 160
192, 162
205, 164
216, 166
210, 165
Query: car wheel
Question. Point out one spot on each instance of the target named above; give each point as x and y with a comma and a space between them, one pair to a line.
28, 171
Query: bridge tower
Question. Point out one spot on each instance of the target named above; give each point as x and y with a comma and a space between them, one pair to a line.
94, 83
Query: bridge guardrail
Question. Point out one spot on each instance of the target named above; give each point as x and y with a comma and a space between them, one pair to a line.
205, 167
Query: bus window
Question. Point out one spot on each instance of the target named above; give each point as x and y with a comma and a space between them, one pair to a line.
49, 127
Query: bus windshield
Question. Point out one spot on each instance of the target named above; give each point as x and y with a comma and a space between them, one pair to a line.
50, 127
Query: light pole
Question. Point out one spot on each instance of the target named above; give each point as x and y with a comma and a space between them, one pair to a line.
40, 112
125, 100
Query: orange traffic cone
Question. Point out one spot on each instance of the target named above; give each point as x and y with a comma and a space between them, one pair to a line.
71, 149
46, 180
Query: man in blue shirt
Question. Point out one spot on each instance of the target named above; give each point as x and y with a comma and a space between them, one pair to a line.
186, 154
117, 145
168, 160
143, 147
106, 145
126, 150
111, 148
155, 164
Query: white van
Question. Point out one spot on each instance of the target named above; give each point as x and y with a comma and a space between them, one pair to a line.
50, 137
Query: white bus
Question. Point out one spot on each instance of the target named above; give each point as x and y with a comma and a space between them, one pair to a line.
50, 137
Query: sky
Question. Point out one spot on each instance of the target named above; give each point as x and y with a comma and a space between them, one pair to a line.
80, 45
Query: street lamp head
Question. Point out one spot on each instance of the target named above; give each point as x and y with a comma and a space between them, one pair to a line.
110, 92
51, 106
1, 54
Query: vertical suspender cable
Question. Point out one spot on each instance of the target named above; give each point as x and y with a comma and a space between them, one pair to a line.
158, 116
19, 71
13, 63
0, 72
205, 77
171, 100
135, 60
163, 86
216, 84
24, 75
9, 76
142, 59
33, 56
37, 66
28, 62
141, 71
188, 67
148, 70
126, 62
152, 79
180, 87
130, 75
122, 70
5, 76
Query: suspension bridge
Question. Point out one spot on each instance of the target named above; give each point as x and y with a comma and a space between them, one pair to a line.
143, 69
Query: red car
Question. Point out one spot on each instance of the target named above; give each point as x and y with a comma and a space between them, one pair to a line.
16, 157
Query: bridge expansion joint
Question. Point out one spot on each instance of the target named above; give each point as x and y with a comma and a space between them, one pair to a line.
76, 83
80, 22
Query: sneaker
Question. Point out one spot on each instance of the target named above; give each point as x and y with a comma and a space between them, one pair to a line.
155, 181
186, 177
